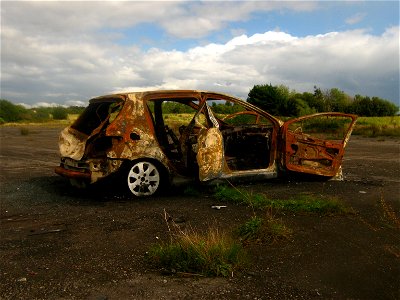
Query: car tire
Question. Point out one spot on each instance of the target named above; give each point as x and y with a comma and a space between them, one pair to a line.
144, 178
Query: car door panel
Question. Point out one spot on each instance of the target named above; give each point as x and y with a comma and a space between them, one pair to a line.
318, 151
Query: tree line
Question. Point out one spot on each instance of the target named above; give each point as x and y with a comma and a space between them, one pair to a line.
280, 101
10, 112
277, 100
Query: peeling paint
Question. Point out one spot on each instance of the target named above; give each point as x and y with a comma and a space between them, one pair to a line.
210, 155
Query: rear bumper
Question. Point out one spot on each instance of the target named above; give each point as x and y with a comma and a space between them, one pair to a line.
72, 174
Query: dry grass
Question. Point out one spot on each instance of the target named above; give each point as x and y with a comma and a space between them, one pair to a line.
209, 253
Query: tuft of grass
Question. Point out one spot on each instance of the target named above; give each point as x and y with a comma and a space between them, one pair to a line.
235, 195
268, 229
211, 253
299, 203
251, 229
191, 191
24, 131
310, 204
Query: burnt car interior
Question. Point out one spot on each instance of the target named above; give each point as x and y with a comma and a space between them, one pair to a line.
246, 134
247, 138
94, 121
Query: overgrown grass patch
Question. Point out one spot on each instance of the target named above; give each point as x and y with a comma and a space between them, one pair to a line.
299, 203
238, 196
268, 229
212, 253
378, 126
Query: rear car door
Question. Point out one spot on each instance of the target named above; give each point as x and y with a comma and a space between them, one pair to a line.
315, 144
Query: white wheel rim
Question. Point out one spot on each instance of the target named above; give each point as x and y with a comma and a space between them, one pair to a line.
143, 179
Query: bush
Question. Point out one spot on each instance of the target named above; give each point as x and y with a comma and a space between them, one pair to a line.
10, 112
60, 113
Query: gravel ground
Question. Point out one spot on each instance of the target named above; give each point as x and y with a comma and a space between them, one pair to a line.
61, 243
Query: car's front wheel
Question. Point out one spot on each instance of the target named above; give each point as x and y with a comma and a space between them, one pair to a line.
144, 178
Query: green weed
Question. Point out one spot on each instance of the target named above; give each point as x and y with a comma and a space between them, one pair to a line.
24, 131
191, 191
310, 204
299, 203
268, 229
212, 253
251, 229
232, 194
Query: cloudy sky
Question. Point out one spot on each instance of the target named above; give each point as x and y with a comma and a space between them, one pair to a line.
66, 52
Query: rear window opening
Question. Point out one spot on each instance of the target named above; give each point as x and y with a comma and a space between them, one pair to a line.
96, 114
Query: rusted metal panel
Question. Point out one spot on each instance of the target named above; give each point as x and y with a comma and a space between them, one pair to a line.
307, 154
72, 143
210, 155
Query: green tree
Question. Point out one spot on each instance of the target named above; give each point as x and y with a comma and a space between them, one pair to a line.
301, 103
59, 113
362, 106
270, 98
318, 102
10, 112
337, 100
383, 107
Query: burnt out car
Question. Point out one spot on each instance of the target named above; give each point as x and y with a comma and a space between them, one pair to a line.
152, 138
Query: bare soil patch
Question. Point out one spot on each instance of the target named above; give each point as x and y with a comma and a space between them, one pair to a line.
60, 243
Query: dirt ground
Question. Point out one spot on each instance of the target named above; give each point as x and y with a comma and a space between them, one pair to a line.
60, 243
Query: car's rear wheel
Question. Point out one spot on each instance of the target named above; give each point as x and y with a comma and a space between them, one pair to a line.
144, 178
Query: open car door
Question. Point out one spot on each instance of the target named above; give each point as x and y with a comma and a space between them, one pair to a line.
315, 144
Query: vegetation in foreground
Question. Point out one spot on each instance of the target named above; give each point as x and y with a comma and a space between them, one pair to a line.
222, 253
263, 230
304, 203
212, 253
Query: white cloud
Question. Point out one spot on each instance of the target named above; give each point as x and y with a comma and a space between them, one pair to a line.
58, 53
75, 103
357, 18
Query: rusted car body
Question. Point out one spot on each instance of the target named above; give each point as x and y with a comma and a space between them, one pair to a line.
131, 134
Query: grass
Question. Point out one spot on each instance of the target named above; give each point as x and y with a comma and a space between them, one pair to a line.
24, 131
211, 253
268, 229
216, 252
378, 126
300, 203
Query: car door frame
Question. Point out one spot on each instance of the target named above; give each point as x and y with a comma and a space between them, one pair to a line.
218, 148
300, 147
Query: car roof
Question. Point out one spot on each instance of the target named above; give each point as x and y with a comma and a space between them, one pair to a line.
121, 97
141, 94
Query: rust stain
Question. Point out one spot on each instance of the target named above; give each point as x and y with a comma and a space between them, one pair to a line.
210, 155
